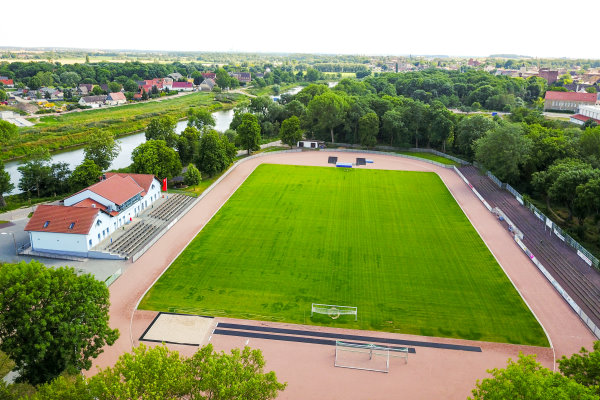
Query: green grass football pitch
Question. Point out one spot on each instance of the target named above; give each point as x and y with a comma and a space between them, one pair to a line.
394, 244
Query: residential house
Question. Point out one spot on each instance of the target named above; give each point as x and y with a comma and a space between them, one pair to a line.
207, 85
209, 75
91, 215
84, 89
183, 86
104, 87
51, 93
93, 101
586, 113
116, 98
7, 82
244, 77
569, 101
175, 76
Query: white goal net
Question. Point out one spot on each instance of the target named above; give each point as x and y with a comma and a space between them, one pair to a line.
333, 311
367, 357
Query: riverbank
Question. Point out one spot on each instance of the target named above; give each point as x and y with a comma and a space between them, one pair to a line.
59, 133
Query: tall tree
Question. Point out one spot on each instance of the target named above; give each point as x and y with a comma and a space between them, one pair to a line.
327, 111
469, 129
51, 319
35, 173
156, 158
192, 176
368, 128
101, 148
249, 132
527, 379
393, 126
211, 156
200, 119
188, 143
85, 174
6, 185
290, 131
503, 151
162, 128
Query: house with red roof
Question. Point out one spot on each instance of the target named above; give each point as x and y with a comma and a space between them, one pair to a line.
7, 82
569, 101
183, 86
114, 99
90, 216
585, 113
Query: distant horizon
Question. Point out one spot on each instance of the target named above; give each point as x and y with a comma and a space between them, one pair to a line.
462, 28
278, 53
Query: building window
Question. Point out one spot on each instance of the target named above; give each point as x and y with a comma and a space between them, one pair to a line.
46, 224
72, 225
98, 236
90, 242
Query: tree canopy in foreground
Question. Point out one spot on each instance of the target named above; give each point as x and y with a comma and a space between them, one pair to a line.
51, 319
159, 373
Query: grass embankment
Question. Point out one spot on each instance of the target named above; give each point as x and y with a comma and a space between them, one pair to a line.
70, 130
430, 156
394, 244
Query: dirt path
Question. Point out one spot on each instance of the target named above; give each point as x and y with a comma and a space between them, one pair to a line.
431, 373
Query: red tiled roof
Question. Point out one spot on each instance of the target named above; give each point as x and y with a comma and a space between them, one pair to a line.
182, 85
144, 180
7, 81
59, 219
584, 118
116, 188
571, 96
117, 96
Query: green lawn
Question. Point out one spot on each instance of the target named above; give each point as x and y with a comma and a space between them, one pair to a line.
394, 244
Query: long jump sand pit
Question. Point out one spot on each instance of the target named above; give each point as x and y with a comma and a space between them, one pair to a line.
192, 330
308, 368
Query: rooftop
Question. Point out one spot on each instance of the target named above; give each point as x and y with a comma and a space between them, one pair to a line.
571, 96
61, 219
117, 189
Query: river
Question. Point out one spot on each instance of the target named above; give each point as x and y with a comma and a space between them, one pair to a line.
128, 143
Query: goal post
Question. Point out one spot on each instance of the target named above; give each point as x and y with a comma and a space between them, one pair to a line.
366, 357
333, 311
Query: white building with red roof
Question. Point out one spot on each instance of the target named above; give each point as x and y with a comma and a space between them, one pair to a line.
91, 215
183, 86
569, 101
586, 113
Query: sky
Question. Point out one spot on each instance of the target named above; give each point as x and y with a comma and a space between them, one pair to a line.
375, 27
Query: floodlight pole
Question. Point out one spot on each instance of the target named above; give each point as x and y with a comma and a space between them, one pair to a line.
14, 241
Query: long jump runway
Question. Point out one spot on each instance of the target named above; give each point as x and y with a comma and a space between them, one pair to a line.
226, 329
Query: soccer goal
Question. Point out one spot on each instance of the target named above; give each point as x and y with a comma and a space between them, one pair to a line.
333, 311
366, 357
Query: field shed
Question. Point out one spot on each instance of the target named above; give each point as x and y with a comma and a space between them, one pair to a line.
311, 144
